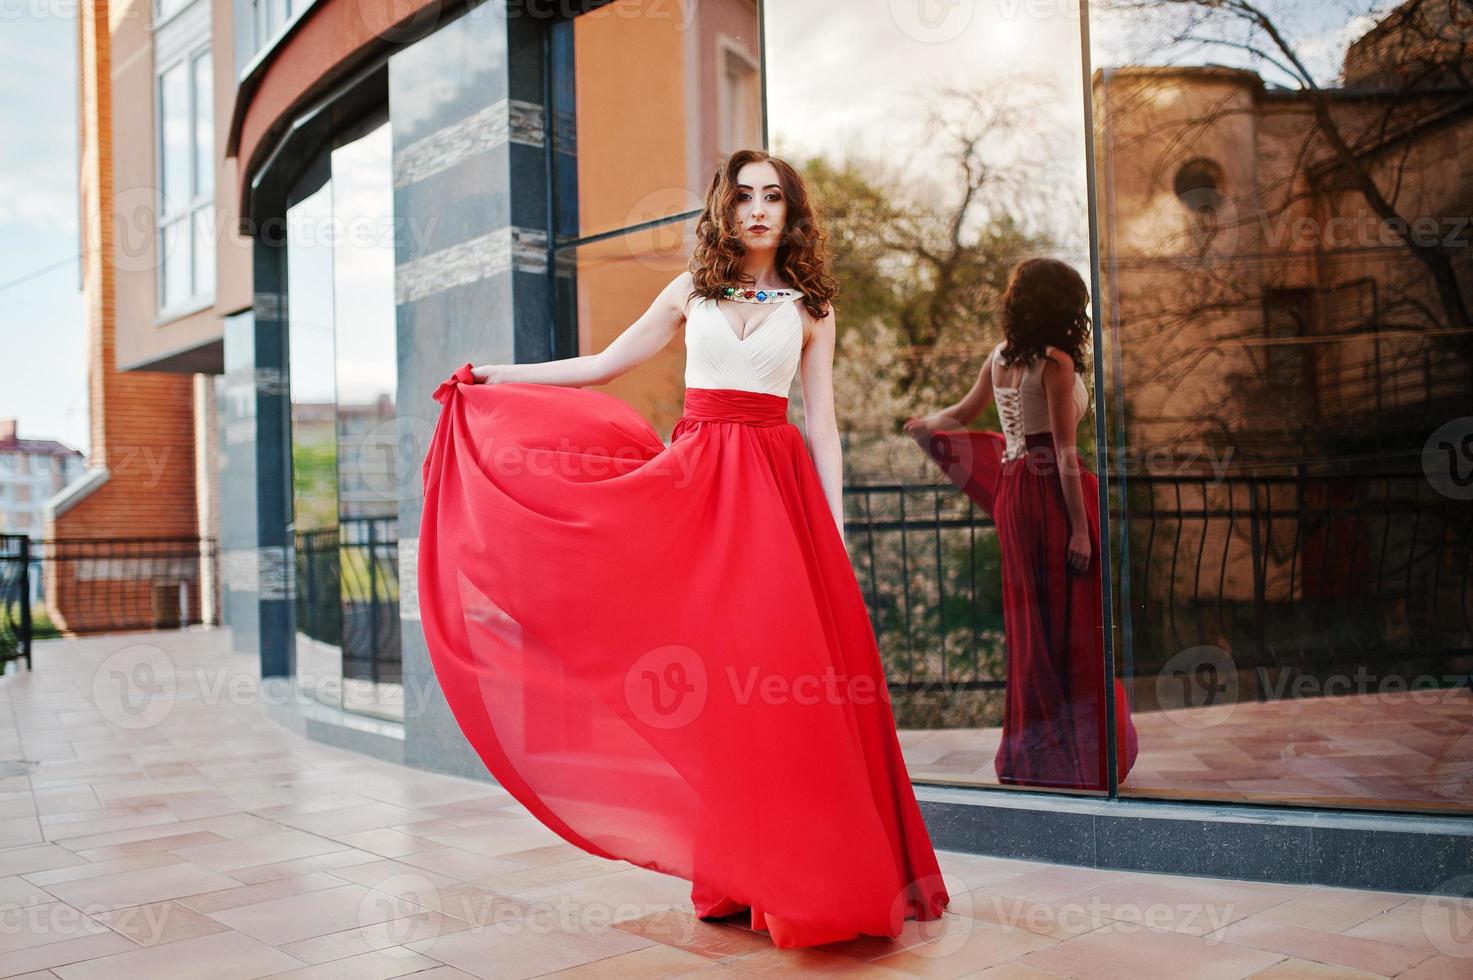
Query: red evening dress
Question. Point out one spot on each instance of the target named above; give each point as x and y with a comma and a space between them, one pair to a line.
662, 651
1053, 724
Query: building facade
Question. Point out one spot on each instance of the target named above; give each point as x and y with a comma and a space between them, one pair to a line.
155, 276
31, 472
343, 202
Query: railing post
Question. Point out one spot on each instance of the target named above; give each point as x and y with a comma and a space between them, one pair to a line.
373, 664
1259, 566
25, 599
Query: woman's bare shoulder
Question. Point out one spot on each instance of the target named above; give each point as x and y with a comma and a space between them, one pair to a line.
812, 323
1059, 358
679, 293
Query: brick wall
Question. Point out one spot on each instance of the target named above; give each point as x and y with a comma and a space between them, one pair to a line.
142, 423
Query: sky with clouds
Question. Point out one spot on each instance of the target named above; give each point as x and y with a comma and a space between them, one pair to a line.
42, 380
846, 77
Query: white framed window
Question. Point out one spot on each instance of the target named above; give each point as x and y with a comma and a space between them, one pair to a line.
269, 16
738, 96
186, 180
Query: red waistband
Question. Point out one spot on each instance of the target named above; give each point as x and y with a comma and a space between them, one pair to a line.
734, 405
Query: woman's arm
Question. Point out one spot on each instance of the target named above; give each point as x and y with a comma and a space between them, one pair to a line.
1058, 386
975, 400
640, 341
818, 415
960, 414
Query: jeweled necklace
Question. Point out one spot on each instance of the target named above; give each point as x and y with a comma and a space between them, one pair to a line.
742, 294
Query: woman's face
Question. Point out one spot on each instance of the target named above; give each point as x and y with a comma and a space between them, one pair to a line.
761, 208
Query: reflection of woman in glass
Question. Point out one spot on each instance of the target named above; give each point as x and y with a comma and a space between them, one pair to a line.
1042, 500
662, 651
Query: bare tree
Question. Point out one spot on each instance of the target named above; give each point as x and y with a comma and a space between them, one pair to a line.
1314, 355
922, 257
1412, 71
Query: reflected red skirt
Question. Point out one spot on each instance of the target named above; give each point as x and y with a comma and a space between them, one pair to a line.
662, 651
1053, 728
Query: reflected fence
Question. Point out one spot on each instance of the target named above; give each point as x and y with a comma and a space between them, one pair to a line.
928, 565
1316, 574
1320, 575
347, 594
15, 599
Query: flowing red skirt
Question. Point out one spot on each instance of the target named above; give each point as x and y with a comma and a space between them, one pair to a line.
663, 653
1053, 726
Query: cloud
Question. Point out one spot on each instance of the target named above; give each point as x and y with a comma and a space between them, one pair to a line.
38, 163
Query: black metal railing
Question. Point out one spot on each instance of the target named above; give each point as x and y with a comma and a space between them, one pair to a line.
1316, 573
1387, 377
370, 572
15, 599
317, 586
927, 561
347, 594
1309, 572
97, 585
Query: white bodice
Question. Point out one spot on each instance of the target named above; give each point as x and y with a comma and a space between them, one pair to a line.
765, 360
1023, 408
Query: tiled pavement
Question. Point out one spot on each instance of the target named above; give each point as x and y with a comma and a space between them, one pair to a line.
1390, 748
184, 834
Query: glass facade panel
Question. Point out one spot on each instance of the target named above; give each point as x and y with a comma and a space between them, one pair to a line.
1290, 354
204, 250
933, 189
268, 17
1278, 376
314, 450
369, 463
346, 457
637, 138
616, 279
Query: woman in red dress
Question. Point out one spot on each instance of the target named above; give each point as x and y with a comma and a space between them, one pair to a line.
662, 650
1043, 503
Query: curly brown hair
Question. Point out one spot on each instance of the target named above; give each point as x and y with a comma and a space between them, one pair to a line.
803, 257
1045, 305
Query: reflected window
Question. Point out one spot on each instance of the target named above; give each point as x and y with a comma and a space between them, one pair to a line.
739, 97
1198, 185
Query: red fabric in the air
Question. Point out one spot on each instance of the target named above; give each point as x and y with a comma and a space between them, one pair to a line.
662, 651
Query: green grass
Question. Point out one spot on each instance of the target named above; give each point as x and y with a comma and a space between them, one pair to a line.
41, 628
